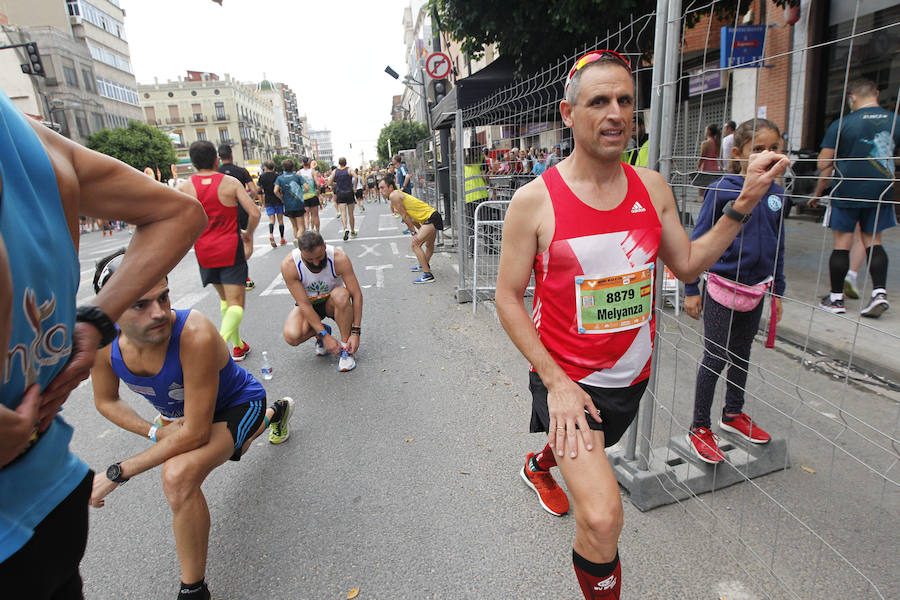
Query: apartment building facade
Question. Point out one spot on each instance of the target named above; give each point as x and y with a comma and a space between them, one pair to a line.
202, 106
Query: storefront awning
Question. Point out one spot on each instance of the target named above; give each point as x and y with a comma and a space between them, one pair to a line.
471, 90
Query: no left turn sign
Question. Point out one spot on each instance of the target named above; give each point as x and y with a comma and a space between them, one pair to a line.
437, 65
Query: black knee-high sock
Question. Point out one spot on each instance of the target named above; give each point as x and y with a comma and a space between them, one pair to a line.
281, 229
598, 581
878, 265
271, 228
838, 265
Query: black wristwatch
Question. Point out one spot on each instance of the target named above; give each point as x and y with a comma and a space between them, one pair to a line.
729, 211
97, 318
114, 473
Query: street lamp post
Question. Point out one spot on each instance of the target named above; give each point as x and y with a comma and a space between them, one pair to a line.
406, 82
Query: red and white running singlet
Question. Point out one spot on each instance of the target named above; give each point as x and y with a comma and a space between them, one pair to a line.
218, 244
593, 301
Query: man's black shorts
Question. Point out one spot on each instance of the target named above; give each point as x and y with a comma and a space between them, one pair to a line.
359, 193
235, 274
617, 407
345, 197
435, 219
243, 420
311, 202
319, 307
47, 565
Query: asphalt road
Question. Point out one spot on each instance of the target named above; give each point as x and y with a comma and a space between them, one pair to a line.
401, 477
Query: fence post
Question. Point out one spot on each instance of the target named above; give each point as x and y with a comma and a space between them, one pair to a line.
659, 62
673, 45
462, 244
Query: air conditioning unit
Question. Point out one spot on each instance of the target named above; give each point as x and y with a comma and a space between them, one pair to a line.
75, 20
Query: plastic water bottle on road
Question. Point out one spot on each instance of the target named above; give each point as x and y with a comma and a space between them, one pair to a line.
266, 366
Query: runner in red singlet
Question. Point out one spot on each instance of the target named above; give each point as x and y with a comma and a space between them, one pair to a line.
590, 230
223, 248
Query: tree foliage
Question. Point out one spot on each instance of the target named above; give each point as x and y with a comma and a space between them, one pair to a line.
542, 33
404, 135
280, 158
138, 145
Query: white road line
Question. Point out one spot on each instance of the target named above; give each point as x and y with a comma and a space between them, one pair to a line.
379, 273
189, 300
279, 280
260, 250
387, 223
368, 239
370, 250
394, 249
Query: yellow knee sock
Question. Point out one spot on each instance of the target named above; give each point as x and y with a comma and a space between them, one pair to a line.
231, 321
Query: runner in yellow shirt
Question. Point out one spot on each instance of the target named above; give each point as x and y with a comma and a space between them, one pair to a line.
422, 220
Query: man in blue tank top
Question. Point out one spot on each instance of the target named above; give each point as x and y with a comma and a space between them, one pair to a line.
212, 409
48, 346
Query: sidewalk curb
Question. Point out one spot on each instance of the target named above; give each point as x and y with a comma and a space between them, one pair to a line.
886, 368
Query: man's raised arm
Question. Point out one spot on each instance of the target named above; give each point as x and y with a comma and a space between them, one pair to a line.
168, 222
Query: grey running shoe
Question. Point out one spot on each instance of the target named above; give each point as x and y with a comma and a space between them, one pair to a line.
832, 306
877, 305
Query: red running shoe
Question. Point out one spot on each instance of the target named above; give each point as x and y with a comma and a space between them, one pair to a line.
238, 354
703, 442
552, 498
744, 426
283, 241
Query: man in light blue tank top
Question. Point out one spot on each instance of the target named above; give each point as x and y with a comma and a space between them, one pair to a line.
47, 181
212, 409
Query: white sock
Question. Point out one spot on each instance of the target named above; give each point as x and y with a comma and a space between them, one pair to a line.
838, 296
851, 275
877, 291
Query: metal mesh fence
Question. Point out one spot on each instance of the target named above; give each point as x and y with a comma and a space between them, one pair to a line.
807, 516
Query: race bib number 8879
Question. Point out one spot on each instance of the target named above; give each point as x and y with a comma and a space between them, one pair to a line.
615, 302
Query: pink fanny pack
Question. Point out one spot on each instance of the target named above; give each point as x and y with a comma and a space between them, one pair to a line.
734, 295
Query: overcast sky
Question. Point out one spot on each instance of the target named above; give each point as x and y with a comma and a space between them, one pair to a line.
332, 54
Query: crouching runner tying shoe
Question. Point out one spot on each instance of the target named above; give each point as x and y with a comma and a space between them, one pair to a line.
215, 410
321, 279
590, 230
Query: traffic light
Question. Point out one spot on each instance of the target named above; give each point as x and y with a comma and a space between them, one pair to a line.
34, 66
438, 90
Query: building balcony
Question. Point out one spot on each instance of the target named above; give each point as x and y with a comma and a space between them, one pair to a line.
198, 118
154, 122
221, 117
175, 120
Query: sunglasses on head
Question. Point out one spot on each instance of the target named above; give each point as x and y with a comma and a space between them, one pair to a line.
594, 56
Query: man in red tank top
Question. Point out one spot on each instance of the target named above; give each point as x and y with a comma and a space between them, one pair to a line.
223, 248
591, 229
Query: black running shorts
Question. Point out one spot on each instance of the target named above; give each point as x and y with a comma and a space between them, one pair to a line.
345, 197
311, 202
617, 407
235, 274
47, 565
435, 219
243, 420
359, 194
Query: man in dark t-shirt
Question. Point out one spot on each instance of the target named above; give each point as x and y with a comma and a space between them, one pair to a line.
274, 205
227, 166
857, 157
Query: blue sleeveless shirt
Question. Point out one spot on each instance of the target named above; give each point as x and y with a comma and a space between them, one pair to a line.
165, 390
45, 274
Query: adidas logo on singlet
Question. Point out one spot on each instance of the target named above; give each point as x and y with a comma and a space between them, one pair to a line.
637, 208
